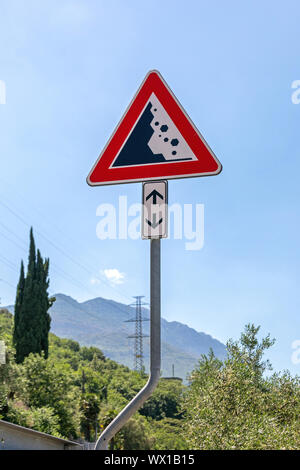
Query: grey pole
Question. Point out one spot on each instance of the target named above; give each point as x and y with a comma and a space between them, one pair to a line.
147, 390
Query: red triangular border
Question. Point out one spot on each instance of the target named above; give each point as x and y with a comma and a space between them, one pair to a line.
207, 163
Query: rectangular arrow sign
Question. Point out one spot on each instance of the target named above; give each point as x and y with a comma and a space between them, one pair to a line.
155, 210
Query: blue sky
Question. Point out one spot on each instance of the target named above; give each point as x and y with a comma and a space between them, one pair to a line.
72, 67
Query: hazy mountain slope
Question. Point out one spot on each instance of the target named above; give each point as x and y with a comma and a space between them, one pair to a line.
102, 323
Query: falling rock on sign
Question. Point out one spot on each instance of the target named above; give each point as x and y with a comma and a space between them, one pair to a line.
166, 139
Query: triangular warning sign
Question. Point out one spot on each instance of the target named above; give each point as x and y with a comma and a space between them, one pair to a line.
155, 139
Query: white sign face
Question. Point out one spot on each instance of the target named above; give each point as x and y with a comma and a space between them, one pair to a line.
155, 210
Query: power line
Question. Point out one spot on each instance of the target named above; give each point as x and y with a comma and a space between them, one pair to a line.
12, 241
8, 283
11, 232
61, 273
65, 276
62, 251
8, 263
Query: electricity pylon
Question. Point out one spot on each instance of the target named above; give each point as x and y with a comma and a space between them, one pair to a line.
138, 336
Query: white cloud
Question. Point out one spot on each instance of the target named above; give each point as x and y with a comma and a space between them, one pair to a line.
114, 276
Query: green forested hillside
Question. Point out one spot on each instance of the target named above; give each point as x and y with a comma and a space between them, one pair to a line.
77, 390
103, 323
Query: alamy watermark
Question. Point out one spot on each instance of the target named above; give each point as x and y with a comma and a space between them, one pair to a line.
295, 97
185, 222
2, 92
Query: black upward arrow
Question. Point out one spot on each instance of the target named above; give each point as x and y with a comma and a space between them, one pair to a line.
154, 224
154, 194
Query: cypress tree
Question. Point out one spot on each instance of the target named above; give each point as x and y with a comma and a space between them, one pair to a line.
18, 306
27, 341
44, 302
32, 323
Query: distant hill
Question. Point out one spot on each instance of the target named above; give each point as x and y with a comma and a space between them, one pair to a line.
101, 322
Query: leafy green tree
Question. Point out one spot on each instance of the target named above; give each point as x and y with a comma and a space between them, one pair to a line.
135, 435
250, 350
46, 420
9, 372
165, 402
87, 354
167, 434
89, 407
232, 405
47, 383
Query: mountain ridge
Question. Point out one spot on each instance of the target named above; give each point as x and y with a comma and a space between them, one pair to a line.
102, 322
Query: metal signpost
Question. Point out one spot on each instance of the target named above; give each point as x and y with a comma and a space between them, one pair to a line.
155, 359
154, 141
